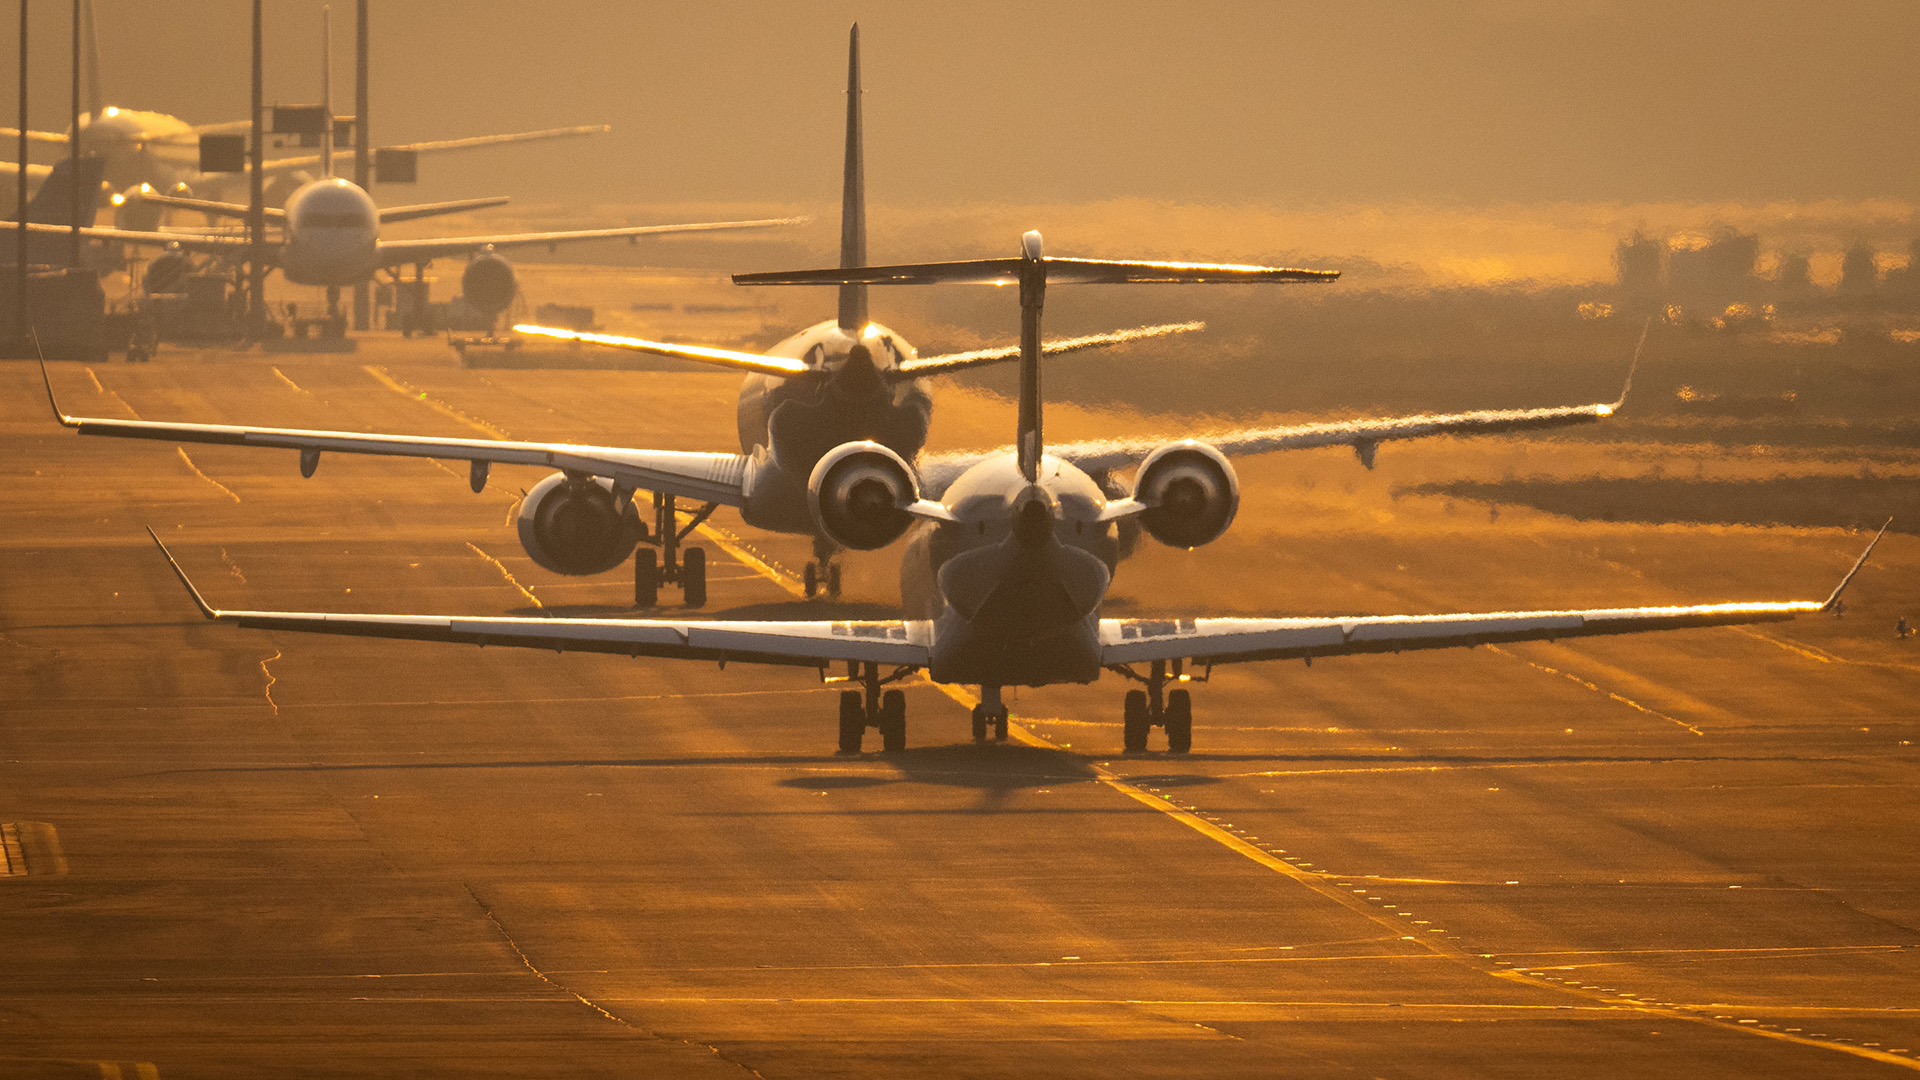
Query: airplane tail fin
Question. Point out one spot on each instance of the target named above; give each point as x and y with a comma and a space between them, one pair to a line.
853, 198
52, 203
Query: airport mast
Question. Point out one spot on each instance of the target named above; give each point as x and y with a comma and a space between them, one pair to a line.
20, 194
363, 291
256, 203
73, 140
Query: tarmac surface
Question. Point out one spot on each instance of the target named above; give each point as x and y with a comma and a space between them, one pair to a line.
240, 854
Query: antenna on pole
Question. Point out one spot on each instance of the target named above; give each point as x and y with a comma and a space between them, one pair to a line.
257, 199
362, 291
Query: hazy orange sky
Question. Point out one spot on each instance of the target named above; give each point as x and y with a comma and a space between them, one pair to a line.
1473, 102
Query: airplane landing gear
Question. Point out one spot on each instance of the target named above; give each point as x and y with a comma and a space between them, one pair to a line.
1144, 710
822, 572
990, 716
669, 565
872, 707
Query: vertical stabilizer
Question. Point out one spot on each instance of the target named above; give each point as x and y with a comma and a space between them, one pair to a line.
326, 92
1033, 298
853, 197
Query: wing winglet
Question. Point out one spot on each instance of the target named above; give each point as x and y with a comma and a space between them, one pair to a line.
1857, 564
205, 609
65, 420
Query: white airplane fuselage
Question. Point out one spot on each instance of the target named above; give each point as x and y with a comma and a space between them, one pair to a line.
331, 235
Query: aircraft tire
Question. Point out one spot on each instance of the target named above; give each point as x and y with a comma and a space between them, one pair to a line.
1000, 726
1179, 721
646, 578
979, 723
853, 721
1135, 722
693, 577
833, 581
893, 721
810, 579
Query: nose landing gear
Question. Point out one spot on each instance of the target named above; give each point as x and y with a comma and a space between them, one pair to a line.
990, 716
1154, 707
823, 572
669, 566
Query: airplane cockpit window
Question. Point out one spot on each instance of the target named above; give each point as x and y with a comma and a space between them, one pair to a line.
346, 219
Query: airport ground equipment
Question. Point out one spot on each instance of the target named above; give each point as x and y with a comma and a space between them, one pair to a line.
1019, 568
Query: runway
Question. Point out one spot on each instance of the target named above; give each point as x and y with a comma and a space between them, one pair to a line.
1681, 855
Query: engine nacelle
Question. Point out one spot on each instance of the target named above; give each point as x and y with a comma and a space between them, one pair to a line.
859, 493
488, 283
1191, 494
576, 526
167, 273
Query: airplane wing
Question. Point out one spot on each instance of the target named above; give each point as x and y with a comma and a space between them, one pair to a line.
1365, 436
274, 213
1229, 641
34, 172
396, 252
54, 138
811, 643
308, 161
717, 478
960, 361
203, 243
729, 358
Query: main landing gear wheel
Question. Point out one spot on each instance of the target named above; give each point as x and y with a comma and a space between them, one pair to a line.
810, 580
646, 578
822, 573
1179, 722
853, 721
1135, 722
893, 722
871, 708
693, 577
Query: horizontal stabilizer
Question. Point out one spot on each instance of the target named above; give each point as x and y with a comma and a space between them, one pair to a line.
960, 361
1059, 272
454, 206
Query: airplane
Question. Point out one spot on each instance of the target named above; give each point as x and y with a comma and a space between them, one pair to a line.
1019, 570
53, 205
330, 227
150, 153
839, 380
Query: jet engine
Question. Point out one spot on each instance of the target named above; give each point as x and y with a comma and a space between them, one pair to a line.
577, 525
167, 273
859, 493
488, 284
131, 210
1191, 494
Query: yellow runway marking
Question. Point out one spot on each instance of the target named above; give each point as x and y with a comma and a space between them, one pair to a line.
182, 451
508, 574
282, 376
441, 407
1326, 887
96, 382
737, 548
1627, 701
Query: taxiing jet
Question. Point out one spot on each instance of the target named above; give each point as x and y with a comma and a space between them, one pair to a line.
330, 228
1019, 573
841, 380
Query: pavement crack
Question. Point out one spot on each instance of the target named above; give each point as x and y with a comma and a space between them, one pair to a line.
527, 962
